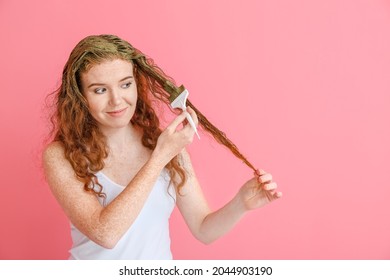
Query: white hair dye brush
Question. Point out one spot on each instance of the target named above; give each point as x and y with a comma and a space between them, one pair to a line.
180, 101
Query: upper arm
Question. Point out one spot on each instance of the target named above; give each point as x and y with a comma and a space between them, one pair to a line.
81, 207
190, 200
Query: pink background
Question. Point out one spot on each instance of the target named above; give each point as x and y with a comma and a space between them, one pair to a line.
302, 87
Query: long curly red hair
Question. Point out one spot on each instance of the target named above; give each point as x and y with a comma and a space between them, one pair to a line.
73, 125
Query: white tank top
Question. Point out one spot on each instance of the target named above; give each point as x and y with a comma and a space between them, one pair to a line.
147, 238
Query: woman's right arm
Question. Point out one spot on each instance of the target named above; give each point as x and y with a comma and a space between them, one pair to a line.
106, 225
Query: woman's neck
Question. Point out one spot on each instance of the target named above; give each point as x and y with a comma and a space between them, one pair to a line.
120, 139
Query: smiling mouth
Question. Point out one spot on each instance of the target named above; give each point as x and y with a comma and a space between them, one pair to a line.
117, 112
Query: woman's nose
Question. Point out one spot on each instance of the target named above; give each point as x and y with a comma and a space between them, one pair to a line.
115, 98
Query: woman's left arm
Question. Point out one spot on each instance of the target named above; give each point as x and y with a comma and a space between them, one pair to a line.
207, 226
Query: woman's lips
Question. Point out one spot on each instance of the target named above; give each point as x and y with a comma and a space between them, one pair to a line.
117, 113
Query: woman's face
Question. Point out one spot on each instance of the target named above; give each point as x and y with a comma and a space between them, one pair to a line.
111, 92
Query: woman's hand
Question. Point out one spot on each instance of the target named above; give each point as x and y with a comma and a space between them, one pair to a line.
258, 191
173, 139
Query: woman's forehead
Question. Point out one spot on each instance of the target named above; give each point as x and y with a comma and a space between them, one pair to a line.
107, 72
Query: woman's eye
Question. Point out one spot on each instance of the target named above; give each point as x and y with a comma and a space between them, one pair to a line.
127, 85
100, 90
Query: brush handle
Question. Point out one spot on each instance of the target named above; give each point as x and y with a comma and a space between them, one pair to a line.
191, 122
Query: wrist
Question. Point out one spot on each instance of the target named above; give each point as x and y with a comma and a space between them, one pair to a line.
239, 204
157, 160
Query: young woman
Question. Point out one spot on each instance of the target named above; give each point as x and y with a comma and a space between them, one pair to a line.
115, 173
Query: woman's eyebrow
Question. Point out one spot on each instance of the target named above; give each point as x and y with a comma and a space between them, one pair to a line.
101, 84
125, 78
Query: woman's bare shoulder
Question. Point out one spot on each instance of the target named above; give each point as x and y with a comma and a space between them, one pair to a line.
54, 160
53, 150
